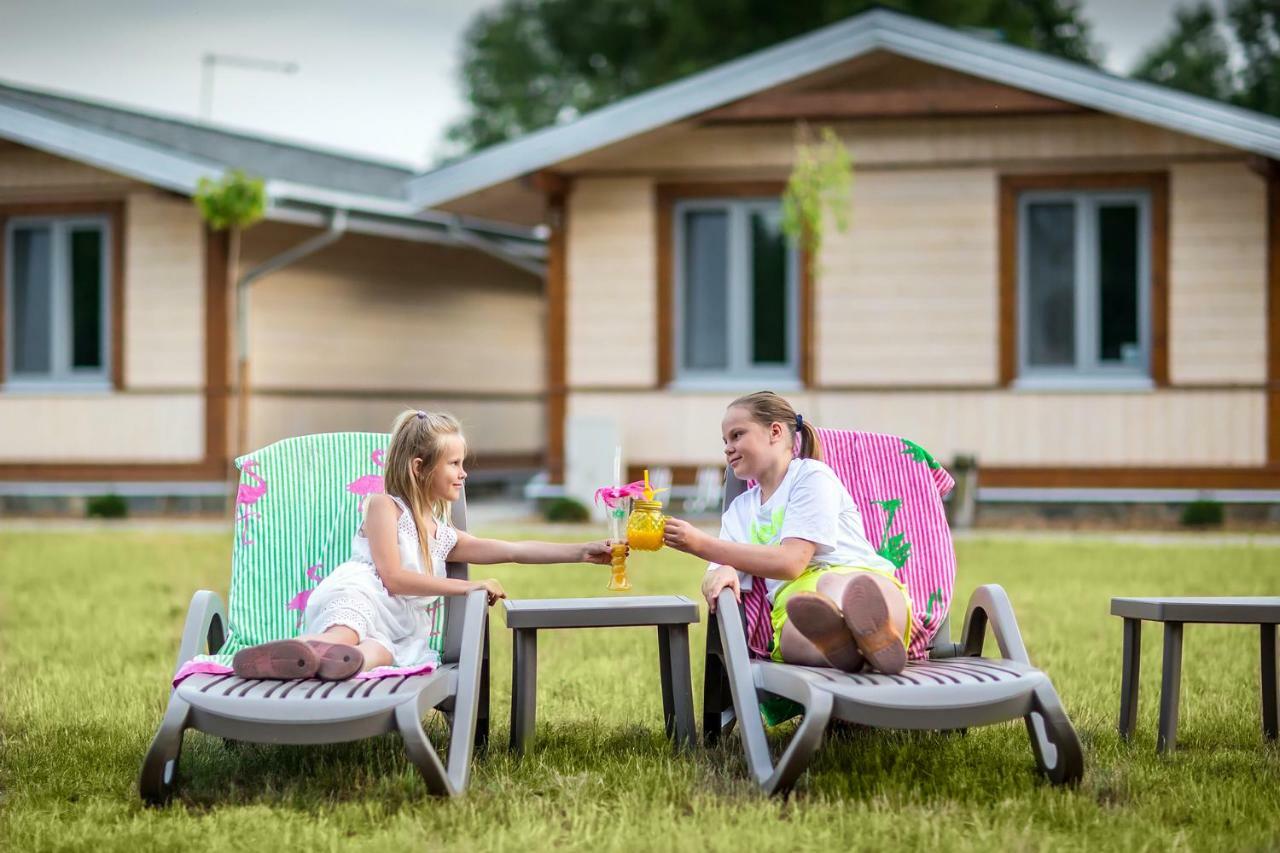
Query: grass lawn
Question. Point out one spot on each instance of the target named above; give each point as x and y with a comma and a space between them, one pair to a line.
89, 625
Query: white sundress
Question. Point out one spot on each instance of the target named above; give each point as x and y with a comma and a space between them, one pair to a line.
352, 595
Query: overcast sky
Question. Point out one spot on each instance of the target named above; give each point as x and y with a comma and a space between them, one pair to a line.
377, 78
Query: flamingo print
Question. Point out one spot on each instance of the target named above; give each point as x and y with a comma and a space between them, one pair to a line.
369, 484
299, 601
246, 496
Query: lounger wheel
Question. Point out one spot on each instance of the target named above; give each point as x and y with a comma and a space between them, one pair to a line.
1053, 739
160, 768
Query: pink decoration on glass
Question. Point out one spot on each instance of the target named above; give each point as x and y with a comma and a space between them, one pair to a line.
369, 484
612, 497
246, 496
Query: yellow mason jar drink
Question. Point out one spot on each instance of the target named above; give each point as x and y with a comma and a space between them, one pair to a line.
644, 527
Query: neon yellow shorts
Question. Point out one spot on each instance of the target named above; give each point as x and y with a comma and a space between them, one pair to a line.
808, 582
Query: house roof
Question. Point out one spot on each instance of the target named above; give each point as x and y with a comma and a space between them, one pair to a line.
174, 154
208, 144
876, 30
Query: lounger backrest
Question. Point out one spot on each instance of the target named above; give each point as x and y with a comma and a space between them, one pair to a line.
898, 487
297, 508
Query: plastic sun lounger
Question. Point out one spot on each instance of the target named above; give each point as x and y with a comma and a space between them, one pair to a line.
317, 712
955, 688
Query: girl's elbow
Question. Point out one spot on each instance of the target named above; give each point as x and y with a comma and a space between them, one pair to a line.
794, 569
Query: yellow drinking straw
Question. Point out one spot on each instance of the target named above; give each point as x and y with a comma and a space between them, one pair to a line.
648, 490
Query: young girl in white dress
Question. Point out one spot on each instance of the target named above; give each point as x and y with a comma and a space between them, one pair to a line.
381, 607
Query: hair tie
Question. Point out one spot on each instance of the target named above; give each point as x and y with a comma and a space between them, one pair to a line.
799, 421
421, 415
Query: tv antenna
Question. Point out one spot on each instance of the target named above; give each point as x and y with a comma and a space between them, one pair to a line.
210, 62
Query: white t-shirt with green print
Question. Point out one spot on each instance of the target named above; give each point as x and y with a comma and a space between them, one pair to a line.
810, 504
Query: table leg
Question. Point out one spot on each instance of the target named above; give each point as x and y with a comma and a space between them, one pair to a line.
1270, 723
664, 670
1131, 666
524, 687
1170, 685
677, 684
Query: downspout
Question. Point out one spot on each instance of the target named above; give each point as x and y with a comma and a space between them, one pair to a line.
337, 227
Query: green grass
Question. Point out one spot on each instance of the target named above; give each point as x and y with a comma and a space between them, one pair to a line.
89, 625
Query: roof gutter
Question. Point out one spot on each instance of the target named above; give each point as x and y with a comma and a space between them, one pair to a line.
494, 249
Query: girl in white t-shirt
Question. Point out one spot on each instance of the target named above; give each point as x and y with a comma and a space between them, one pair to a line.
832, 599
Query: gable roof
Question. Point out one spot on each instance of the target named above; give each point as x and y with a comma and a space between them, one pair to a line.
301, 182
210, 145
876, 30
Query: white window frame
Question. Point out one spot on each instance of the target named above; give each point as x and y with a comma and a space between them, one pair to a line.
1088, 371
740, 371
61, 376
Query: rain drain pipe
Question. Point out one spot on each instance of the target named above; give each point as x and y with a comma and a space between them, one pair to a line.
337, 227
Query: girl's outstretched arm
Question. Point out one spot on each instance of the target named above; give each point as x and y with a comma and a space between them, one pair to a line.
471, 549
380, 530
784, 561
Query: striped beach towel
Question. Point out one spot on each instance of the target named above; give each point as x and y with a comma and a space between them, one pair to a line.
298, 507
898, 487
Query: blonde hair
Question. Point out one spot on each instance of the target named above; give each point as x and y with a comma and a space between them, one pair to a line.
766, 407
419, 435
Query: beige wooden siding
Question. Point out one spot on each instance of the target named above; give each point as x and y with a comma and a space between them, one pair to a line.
1178, 428
350, 336
369, 313
92, 428
491, 427
1031, 141
164, 343
908, 293
30, 175
1217, 258
612, 291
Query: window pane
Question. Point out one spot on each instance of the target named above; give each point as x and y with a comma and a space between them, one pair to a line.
86, 298
1051, 305
706, 290
1118, 284
769, 318
32, 295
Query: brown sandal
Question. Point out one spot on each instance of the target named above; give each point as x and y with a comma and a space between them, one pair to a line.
816, 617
282, 659
867, 616
337, 661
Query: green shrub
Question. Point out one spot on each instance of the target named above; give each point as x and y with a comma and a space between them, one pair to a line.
106, 506
233, 201
566, 510
1202, 514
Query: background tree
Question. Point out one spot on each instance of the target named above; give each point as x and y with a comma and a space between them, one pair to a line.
1196, 55
532, 63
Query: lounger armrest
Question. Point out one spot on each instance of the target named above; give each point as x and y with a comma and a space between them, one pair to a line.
206, 627
733, 631
475, 613
990, 604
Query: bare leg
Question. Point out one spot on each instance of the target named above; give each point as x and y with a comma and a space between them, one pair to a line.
334, 634
341, 653
375, 655
798, 650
